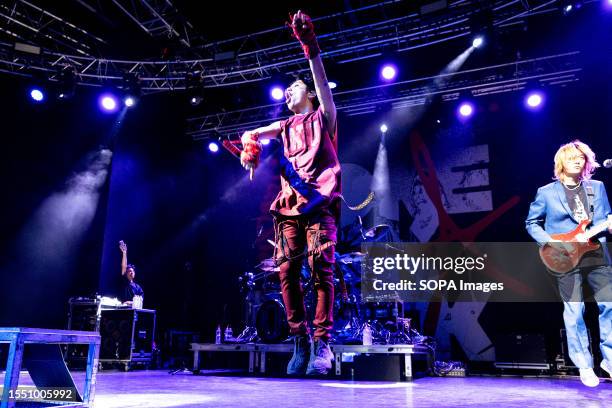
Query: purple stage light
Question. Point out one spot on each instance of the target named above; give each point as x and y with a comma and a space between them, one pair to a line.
607, 5
534, 100
388, 72
213, 147
265, 142
466, 109
108, 103
277, 93
37, 95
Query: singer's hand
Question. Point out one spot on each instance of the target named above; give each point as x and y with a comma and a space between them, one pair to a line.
610, 223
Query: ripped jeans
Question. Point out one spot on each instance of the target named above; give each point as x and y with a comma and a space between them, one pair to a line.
293, 235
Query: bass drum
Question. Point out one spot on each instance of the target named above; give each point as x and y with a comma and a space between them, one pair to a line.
271, 322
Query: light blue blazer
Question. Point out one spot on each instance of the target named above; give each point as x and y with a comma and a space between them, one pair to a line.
550, 213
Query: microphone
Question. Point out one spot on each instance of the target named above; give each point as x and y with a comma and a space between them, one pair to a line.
607, 163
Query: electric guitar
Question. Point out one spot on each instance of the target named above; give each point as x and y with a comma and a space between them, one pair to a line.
320, 248
577, 243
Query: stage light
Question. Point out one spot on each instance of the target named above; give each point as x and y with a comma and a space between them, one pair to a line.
213, 147
478, 41
108, 103
194, 86
383, 128
277, 93
66, 83
607, 4
265, 142
196, 100
388, 72
466, 110
129, 101
332, 85
131, 89
534, 100
37, 95
571, 6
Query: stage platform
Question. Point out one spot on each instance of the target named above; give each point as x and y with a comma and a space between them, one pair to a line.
257, 353
158, 389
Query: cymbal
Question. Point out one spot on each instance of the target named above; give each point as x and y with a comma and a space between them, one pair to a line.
351, 257
268, 265
372, 232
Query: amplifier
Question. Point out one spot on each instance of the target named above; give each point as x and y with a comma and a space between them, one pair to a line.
521, 351
177, 347
127, 335
83, 315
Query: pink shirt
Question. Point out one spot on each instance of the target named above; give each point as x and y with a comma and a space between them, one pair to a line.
312, 152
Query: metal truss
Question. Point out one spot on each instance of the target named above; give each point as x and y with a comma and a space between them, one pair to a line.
552, 70
28, 23
159, 18
376, 28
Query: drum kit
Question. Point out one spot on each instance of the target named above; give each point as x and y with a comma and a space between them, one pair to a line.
265, 311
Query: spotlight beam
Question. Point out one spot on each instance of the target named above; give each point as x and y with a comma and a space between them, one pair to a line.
49, 241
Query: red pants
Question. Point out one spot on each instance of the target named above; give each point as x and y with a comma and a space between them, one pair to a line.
294, 235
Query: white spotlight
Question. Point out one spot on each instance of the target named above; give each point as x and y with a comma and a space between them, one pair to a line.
478, 41
384, 128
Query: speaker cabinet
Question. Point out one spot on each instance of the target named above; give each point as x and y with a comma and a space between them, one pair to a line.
521, 351
127, 335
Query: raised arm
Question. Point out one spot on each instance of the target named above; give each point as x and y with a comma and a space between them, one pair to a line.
303, 30
124, 263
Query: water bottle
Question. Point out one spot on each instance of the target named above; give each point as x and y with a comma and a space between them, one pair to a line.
229, 335
218, 335
367, 335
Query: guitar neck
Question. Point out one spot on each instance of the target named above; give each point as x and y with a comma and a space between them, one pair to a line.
310, 253
322, 247
597, 229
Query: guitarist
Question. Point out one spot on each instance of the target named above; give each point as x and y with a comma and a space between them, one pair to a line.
558, 208
306, 209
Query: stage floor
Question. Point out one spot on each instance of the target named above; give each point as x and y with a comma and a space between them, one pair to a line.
158, 389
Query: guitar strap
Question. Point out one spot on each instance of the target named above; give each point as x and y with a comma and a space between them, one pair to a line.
591, 199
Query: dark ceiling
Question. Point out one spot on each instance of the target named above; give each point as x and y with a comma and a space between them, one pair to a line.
211, 21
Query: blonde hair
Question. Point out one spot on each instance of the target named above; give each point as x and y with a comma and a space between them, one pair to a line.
590, 164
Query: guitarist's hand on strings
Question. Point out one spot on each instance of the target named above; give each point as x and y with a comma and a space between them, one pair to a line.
561, 246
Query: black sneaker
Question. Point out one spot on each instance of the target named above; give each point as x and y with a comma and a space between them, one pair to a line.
320, 359
301, 351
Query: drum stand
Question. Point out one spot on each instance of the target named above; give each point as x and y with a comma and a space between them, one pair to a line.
247, 282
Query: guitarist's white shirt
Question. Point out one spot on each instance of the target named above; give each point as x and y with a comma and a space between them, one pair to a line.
580, 213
